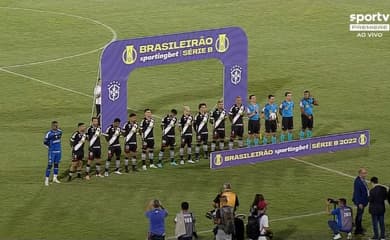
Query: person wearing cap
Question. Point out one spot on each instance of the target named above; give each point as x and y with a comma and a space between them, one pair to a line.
258, 203
156, 214
263, 223
232, 198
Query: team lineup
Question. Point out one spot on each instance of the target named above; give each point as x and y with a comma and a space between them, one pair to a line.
188, 126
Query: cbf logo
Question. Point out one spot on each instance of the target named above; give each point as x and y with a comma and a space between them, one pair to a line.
222, 43
362, 139
218, 160
114, 88
235, 74
129, 55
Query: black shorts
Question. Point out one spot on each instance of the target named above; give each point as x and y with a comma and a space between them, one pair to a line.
77, 156
148, 144
270, 126
168, 141
306, 122
219, 134
287, 123
253, 126
202, 138
186, 140
114, 151
94, 153
97, 109
237, 131
130, 147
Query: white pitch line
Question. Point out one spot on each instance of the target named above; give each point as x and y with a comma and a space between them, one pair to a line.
321, 167
46, 83
272, 220
55, 86
298, 216
54, 60
114, 36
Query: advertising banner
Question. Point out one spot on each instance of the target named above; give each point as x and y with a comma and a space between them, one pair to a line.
120, 58
323, 144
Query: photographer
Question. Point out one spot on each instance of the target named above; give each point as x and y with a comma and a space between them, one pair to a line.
156, 214
185, 224
224, 219
232, 198
343, 218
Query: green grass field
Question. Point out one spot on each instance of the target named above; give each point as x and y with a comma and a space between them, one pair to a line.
293, 45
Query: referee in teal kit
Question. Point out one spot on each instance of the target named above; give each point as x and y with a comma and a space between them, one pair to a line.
307, 103
286, 109
254, 121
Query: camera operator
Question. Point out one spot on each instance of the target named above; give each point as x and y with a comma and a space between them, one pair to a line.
156, 214
343, 217
232, 198
185, 223
224, 219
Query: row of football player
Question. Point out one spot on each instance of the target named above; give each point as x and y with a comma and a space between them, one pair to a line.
217, 118
187, 124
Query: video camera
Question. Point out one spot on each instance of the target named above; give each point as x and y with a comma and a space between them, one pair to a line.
211, 214
333, 201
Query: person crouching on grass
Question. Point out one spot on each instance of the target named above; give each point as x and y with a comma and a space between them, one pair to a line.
343, 218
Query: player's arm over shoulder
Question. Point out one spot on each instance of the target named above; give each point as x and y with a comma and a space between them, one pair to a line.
46, 139
72, 139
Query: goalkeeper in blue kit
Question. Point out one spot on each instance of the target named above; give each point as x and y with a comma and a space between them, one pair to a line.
52, 141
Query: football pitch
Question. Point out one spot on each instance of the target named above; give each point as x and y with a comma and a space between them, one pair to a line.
49, 57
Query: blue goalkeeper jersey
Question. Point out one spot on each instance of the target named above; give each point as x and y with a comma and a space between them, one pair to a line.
287, 108
307, 104
270, 111
53, 140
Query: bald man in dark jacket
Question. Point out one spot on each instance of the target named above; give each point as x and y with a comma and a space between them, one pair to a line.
360, 198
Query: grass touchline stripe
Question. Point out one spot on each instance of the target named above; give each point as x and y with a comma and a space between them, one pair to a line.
321, 167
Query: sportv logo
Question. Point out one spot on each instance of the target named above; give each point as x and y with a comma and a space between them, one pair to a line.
377, 17
375, 22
